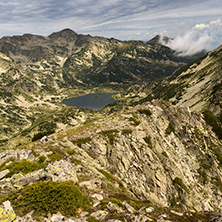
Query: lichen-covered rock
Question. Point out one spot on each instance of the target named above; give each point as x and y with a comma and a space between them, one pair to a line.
99, 215
129, 208
149, 210
97, 197
17, 181
138, 218
114, 208
62, 170
7, 213
3, 173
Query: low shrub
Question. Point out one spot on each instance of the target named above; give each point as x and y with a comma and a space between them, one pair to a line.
50, 197
81, 141
23, 166
134, 120
178, 181
110, 134
39, 135
126, 131
145, 111
147, 139
214, 122
55, 156
170, 129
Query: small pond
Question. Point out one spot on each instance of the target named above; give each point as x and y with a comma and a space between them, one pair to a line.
91, 101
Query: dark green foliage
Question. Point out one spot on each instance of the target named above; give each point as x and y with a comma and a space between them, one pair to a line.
145, 111
204, 175
75, 161
126, 131
214, 122
134, 119
147, 139
217, 181
170, 129
107, 175
42, 134
50, 197
23, 166
219, 156
55, 156
81, 141
178, 181
165, 154
110, 134
41, 159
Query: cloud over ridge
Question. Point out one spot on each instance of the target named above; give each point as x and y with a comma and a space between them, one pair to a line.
199, 38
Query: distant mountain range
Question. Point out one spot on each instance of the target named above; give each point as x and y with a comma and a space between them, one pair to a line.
83, 60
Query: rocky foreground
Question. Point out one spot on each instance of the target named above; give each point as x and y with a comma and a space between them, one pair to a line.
150, 162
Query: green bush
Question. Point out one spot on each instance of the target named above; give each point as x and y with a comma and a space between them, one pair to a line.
107, 175
178, 181
214, 122
134, 120
23, 166
218, 182
165, 154
126, 131
170, 129
204, 175
147, 139
55, 156
110, 134
39, 135
49, 197
81, 141
145, 111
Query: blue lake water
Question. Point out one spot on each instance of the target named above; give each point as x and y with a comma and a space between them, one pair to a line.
91, 101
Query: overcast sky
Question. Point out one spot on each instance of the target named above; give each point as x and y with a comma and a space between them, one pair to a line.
122, 19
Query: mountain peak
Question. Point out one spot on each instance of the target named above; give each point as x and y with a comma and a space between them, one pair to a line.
157, 39
67, 34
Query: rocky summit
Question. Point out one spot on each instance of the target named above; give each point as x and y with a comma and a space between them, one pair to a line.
153, 155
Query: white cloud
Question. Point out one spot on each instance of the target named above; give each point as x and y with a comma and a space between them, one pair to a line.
200, 37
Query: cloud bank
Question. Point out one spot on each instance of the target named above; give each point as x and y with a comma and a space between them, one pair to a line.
200, 37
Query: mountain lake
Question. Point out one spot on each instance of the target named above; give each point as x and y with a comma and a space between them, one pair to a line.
91, 101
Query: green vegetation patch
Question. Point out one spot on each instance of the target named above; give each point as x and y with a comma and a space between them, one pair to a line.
23, 166
204, 176
214, 122
81, 141
126, 131
110, 134
107, 175
217, 181
134, 119
145, 111
170, 129
50, 197
39, 135
178, 181
55, 156
147, 139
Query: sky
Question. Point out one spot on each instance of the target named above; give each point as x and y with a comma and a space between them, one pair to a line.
193, 24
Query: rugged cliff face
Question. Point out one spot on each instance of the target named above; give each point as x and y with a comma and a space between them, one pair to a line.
196, 85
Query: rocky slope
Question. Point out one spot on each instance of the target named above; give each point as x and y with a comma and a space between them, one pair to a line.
147, 163
196, 85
